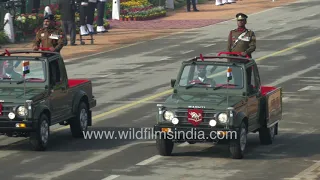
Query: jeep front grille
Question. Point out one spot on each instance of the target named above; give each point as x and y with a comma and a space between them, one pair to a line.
6, 109
182, 115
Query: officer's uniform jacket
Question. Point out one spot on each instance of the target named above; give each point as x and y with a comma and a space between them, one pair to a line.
242, 40
49, 37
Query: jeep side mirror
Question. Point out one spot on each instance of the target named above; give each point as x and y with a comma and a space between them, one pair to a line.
173, 82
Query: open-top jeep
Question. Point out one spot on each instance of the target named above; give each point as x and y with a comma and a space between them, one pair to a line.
218, 99
35, 93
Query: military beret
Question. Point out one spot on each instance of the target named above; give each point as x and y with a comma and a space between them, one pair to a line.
241, 16
49, 17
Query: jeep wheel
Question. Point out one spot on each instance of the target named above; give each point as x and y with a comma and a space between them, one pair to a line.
237, 146
40, 138
267, 135
164, 146
80, 124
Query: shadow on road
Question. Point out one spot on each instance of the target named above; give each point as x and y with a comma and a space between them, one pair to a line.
284, 147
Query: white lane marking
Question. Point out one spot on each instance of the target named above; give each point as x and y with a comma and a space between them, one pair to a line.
5, 153
267, 28
111, 177
30, 160
285, 99
165, 58
303, 133
208, 45
305, 88
125, 102
3, 137
294, 75
307, 173
313, 15
186, 52
10, 140
77, 165
183, 144
282, 24
106, 75
148, 161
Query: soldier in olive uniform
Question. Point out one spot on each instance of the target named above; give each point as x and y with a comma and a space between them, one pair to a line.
242, 39
49, 36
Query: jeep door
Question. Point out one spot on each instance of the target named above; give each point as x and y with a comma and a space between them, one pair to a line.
58, 91
253, 94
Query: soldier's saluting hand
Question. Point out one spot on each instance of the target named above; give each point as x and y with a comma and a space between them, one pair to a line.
49, 36
242, 39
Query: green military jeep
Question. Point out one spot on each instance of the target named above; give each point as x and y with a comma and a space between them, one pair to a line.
218, 99
35, 93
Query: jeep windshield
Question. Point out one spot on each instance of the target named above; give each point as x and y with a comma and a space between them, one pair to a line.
12, 70
213, 75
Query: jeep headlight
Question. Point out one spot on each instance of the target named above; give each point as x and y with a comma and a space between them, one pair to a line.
168, 115
22, 111
222, 117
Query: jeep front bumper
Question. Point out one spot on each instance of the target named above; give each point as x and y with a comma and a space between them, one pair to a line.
15, 126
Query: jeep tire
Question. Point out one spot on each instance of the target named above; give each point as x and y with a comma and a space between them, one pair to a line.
40, 138
266, 135
79, 124
164, 146
237, 146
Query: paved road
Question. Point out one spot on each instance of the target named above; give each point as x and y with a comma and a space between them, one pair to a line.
129, 74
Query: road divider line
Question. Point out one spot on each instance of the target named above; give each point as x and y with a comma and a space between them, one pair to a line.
148, 161
111, 177
289, 48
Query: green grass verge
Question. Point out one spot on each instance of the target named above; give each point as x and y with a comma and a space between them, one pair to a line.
3, 38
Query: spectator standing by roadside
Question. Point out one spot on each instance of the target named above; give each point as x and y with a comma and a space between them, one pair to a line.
193, 5
68, 10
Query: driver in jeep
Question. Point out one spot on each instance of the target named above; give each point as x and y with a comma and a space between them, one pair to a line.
203, 79
9, 72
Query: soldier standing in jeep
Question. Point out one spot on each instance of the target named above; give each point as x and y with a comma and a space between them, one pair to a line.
242, 39
49, 36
